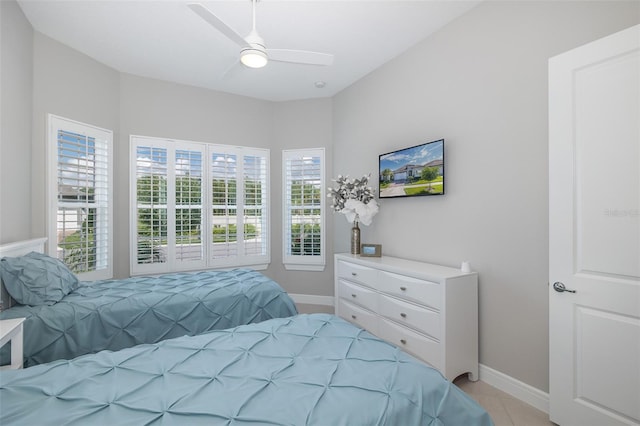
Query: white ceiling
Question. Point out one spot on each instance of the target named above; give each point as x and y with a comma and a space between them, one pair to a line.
167, 41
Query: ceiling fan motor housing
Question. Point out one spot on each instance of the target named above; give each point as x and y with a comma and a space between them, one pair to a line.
255, 54
255, 41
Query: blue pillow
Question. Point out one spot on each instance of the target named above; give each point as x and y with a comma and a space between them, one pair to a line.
37, 279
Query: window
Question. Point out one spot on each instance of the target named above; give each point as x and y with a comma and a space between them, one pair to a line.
303, 208
197, 205
80, 220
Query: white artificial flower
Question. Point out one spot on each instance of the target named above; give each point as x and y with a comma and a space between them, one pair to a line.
367, 212
364, 212
350, 209
354, 198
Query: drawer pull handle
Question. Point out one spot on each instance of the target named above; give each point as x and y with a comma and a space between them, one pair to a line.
403, 288
353, 316
354, 274
403, 315
403, 341
353, 295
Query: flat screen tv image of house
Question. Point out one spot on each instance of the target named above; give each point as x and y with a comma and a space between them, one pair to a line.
414, 171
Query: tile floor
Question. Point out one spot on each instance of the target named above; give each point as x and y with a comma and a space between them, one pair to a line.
504, 409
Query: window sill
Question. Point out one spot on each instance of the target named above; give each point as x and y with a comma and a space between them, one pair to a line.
303, 267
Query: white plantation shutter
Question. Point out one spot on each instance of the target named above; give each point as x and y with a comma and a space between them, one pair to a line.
224, 209
255, 205
80, 214
150, 204
303, 209
194, 202
239, 206
189, 230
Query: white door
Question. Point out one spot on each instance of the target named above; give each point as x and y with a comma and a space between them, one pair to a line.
594, 225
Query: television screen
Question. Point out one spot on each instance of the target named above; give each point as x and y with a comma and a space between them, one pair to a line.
418, 170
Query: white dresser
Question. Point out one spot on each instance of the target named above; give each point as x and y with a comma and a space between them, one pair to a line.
430, 311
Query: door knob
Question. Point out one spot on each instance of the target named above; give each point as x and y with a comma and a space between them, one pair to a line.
560, 288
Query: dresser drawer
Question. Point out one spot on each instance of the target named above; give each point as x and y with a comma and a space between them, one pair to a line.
410, 341
419, 318
361, 274
419, 291
358, 295
358, 316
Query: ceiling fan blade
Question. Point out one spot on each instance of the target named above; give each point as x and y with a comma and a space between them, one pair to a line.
212, 19
300, 57
232, 71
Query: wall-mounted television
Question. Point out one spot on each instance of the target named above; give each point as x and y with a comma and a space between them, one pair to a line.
414, 171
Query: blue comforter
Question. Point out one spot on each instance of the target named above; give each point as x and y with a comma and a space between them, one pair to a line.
116, 314
309, 369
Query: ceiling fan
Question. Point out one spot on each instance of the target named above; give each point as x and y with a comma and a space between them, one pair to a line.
253, 50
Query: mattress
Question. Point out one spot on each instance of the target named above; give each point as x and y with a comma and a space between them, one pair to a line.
116, 314
309, 369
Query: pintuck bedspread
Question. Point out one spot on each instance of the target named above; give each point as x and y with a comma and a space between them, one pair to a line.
309, 369
116, 314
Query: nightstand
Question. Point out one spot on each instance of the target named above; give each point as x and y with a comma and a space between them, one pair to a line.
11, 331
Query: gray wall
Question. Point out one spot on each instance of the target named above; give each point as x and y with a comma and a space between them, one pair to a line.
71, 85
300, 124
16, 86
480, 83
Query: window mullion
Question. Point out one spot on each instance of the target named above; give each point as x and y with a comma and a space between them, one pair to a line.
207, 210
240, 213
103, 187
171, 207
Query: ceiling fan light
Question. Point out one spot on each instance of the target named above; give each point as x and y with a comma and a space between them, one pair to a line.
253, 58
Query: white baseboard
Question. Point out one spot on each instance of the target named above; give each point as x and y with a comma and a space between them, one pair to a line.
310, 299
514, 387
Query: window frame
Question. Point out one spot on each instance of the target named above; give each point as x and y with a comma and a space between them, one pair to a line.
240, 259
302, 262
54, 124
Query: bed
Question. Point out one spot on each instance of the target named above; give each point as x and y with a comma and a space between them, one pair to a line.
312, 369
115, 314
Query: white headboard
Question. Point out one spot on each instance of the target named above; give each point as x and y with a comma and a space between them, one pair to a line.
17, 248
20, 248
